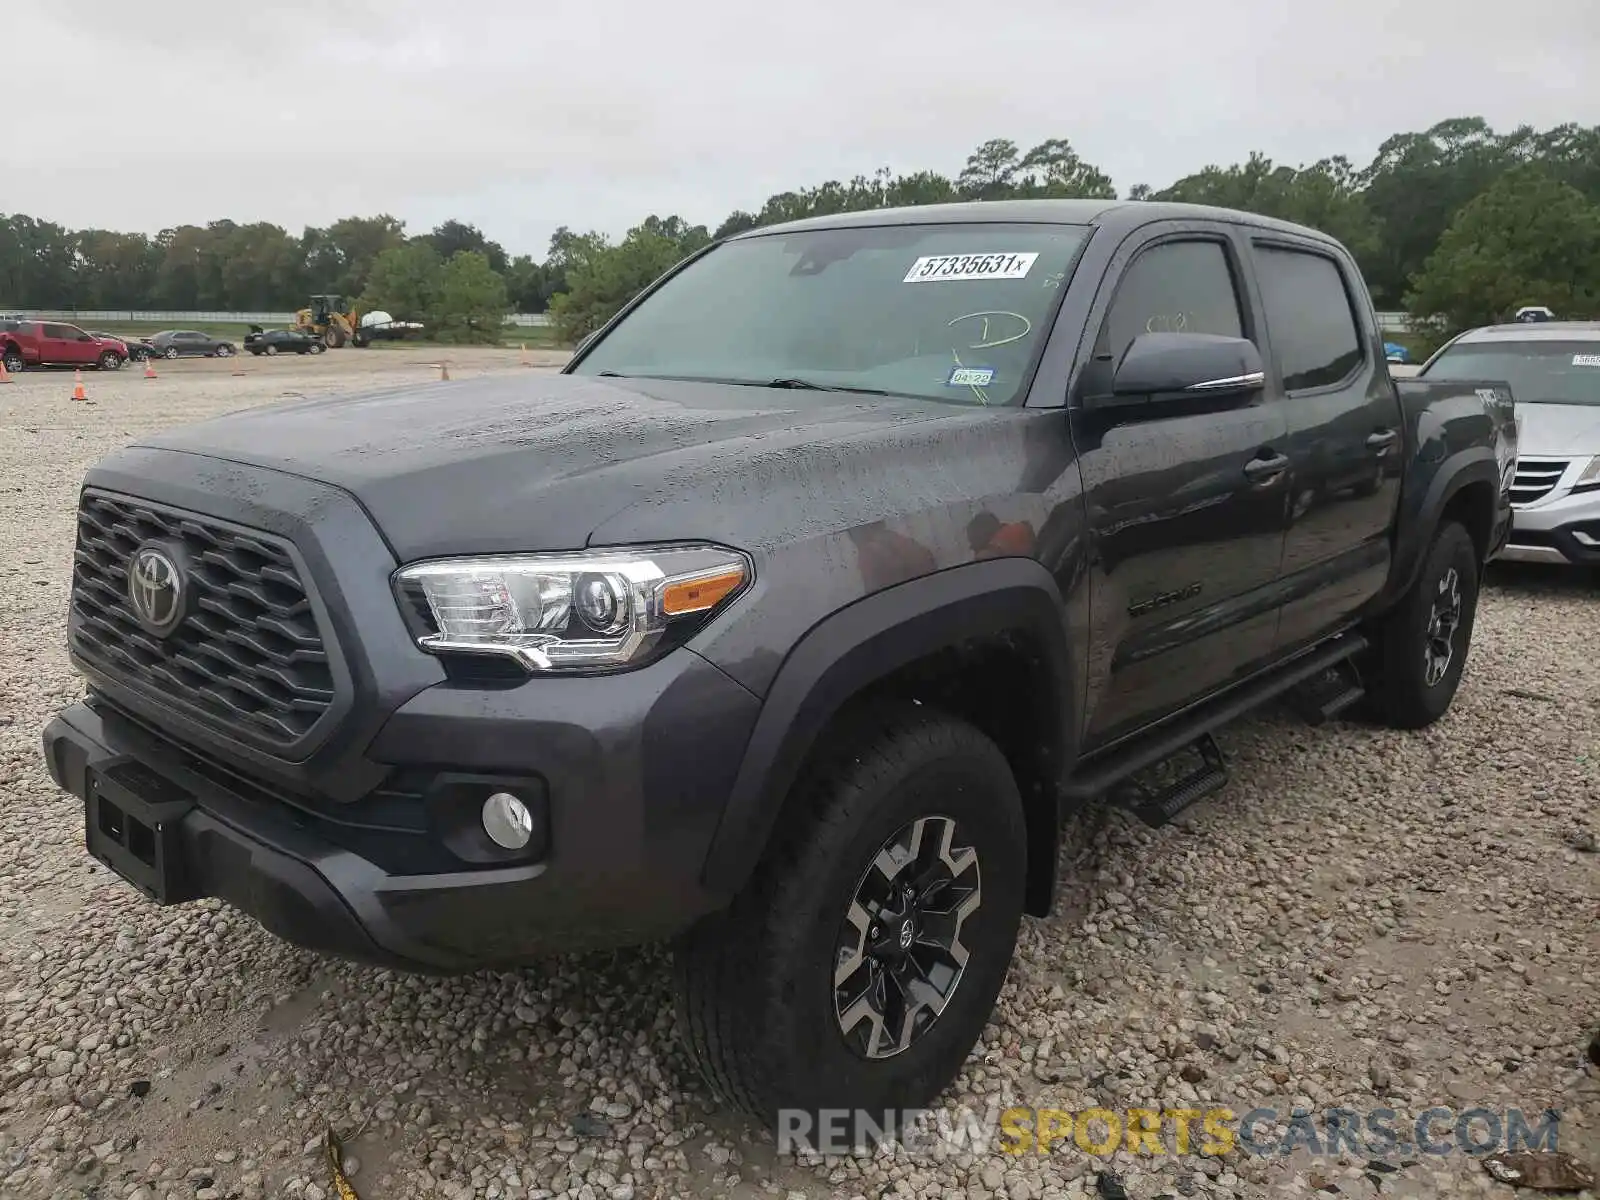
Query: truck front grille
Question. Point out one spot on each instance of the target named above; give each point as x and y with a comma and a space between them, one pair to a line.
1535, 479
248, 657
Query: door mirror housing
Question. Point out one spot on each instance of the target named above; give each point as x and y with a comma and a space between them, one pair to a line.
1202, 368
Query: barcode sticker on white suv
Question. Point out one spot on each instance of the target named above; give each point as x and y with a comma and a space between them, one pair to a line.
1586, 360
946, 268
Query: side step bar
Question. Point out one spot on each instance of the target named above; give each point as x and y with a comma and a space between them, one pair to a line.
1158, 806
1194, 728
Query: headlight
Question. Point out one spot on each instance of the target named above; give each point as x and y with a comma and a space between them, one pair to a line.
1591, 475
593, 610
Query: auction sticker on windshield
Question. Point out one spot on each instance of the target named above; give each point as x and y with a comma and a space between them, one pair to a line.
947, 268
1586, 360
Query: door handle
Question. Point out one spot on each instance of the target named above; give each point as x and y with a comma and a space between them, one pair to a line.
1263, 471
1382, 440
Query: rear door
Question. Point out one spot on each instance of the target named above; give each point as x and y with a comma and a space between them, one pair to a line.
1345, 433
57, 343
1188, 542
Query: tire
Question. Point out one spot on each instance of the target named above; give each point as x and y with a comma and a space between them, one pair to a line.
334, 338
224, 350
316, 348
15, 363
756, 998
272, 351
110, 361
171, 352
1415, 665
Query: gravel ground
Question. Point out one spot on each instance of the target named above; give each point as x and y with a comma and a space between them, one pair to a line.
1361, 919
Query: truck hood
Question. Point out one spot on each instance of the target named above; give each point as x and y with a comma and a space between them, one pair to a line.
1558, 430
538, 462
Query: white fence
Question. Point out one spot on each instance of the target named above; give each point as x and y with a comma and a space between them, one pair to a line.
178, 320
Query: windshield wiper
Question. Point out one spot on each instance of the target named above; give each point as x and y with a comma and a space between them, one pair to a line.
807, 385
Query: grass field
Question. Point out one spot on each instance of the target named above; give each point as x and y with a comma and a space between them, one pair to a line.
535, 337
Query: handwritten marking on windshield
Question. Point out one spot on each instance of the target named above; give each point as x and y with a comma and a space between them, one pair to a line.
985, 317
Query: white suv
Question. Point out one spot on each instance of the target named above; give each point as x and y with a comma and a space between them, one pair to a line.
1553, 368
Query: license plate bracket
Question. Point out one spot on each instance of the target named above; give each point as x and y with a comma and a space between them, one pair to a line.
131, 824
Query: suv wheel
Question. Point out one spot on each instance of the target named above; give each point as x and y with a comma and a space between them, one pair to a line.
110, 360
1421, 646
863, 959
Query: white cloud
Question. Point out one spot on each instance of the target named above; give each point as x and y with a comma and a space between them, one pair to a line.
519, 117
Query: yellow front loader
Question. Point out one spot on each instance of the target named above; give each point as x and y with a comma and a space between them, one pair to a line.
326, 318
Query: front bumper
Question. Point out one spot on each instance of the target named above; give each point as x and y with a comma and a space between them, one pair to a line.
1563, 529
632, 771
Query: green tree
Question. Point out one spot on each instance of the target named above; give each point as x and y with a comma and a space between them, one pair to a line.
1053, 168
452, 237
405, 281
990, 170
339, 257
1528, 239
471, 304
1417, 184
606, 278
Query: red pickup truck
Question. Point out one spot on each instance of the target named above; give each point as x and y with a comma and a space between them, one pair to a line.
50, 343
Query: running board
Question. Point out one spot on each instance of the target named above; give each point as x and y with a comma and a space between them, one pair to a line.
1157, 807
1118, 762
1323, 697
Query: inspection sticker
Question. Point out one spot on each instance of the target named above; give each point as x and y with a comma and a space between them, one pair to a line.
970, 377
1586, 360
947, 268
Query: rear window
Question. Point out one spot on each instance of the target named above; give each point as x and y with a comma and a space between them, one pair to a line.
1540, 371
951, 312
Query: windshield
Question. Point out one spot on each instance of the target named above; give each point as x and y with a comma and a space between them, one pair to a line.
1539, 372
942, 312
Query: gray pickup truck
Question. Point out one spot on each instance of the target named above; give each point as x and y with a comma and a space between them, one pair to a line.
787, 621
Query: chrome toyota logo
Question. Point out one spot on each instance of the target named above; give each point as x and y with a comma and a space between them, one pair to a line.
155, 590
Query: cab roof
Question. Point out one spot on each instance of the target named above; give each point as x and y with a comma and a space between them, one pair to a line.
1119, 215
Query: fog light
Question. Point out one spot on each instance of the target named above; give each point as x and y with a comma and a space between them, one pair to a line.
507, 821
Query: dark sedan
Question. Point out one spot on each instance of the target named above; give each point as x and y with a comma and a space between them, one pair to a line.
186, 343
282, 341
139, 349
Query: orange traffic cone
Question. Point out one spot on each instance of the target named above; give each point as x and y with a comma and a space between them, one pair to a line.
5, 376
77, 386
149, 368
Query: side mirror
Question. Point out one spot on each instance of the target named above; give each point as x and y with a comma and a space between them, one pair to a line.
1200, 367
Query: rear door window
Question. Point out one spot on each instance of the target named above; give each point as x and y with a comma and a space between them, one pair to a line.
1309, 316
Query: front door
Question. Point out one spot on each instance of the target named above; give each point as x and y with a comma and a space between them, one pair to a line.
1345, 435
1188, 527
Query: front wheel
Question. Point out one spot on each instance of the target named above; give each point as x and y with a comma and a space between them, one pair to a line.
110, 361
862, 961
272, 351
315, 348
224, 351
171, 352
1420, 648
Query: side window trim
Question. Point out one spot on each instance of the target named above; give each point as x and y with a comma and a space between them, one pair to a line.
1294, 246
1218, 238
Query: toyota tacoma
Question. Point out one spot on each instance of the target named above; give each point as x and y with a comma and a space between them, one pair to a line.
788, 621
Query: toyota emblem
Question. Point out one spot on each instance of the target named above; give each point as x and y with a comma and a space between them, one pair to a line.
156, 590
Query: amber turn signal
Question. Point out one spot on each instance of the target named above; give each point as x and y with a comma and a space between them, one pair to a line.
685, 596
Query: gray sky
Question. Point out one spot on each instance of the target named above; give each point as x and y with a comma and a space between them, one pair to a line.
519, 117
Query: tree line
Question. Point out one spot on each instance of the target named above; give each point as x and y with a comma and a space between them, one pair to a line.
1459, 222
